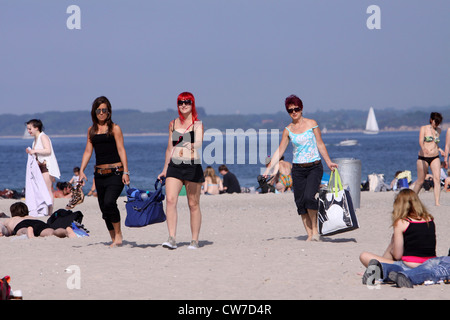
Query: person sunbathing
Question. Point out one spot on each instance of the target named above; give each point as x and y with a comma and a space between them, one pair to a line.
21, 223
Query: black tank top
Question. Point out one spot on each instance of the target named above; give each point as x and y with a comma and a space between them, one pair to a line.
105, 149
420, 239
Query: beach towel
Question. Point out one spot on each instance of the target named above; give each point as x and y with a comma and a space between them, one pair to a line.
37, 197
376, 182
336, 212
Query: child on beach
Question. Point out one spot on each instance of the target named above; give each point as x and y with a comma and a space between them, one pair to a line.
21, 223
413, 241
76, 178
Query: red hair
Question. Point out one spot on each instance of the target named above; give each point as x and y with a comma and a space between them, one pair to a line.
187, 96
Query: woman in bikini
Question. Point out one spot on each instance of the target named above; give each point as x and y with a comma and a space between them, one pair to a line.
284, 176
213, 184
429, 155
307, 167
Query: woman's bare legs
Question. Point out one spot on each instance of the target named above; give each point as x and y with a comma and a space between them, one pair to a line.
173, 188
193, 190
422, 169
310, 222
48, 183
436, 171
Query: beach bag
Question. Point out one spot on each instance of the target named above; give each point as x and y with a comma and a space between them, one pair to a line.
264, 184
141, 212
336, 212
63, 218
5, 289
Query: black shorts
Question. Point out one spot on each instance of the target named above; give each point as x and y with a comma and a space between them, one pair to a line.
186, 171
37, 225
306, 182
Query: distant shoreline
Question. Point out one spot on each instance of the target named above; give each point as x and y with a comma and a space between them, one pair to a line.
158, 134
84, 135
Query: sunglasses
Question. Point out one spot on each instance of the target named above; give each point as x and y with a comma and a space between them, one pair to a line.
100, 110
187, 102
297, 109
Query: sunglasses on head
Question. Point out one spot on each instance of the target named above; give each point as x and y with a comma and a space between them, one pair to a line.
296, 109
187, 102
100, 110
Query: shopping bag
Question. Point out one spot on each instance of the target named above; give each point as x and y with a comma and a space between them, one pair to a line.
336, 212
143, 211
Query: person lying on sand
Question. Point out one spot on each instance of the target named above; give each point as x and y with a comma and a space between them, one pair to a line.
20, 223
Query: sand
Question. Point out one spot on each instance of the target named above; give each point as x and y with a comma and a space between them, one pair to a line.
252, 247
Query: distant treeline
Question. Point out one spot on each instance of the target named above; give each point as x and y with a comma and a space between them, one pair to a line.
138, 122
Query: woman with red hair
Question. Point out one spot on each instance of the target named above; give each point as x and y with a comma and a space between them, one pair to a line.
183, 167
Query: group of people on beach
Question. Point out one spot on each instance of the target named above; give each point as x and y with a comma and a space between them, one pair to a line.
413, 243
182, 165
410, 257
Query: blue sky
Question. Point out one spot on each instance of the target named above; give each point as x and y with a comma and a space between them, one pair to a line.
235, 56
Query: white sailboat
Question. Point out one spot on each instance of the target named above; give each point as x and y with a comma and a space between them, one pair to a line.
371, 124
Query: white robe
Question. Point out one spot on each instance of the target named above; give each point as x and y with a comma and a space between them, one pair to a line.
37, 197
51, 163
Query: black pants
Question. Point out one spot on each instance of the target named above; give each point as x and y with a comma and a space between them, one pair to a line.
109, 187
306, 182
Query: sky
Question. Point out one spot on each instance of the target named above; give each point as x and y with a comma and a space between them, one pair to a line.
235, 56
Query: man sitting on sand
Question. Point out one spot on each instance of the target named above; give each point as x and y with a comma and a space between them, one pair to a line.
21, 223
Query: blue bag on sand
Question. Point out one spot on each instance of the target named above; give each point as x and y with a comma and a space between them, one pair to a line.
140, 212
402, 183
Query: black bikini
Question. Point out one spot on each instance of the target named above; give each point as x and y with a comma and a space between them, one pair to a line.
428, 160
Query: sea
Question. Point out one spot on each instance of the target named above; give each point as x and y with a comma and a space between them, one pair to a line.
385, 153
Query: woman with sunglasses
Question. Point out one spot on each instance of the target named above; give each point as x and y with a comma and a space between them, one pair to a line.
307, 167
183, 167
111, 169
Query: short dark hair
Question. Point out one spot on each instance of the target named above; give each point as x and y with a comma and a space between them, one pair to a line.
223, 168
37, 123
293, 100
18, 209
437, 117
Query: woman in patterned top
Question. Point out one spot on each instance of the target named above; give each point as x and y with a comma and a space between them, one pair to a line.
307, 167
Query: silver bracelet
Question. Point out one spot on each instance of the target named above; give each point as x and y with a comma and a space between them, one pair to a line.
128, 173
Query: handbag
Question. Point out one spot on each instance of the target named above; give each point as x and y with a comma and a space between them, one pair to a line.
140, 212
336, 212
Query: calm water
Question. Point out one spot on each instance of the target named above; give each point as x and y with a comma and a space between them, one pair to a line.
386, 152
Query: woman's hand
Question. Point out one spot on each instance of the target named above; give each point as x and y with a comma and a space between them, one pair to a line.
162, 175
332, 166
126, 179
82, 176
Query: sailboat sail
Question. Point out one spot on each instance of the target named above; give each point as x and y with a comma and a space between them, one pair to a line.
371, 124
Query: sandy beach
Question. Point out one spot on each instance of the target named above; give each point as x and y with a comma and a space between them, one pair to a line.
252, 247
